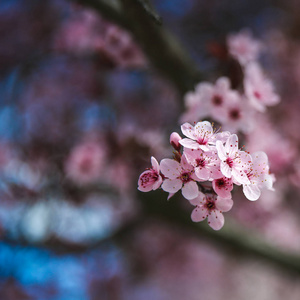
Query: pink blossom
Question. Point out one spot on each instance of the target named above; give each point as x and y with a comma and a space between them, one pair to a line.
223, 186
233, 161
258, 175
208, 100
202, 136
280, 157
179, 175
150, 179
196, 103
206, 164
80, 33
258, 89
236, 114
220, 95
243, 47
120, 46
211, 206
85, 163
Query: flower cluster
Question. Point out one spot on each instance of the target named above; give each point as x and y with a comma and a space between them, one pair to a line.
234, 108
213, 158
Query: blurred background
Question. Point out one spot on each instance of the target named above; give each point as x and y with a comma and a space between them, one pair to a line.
86, 99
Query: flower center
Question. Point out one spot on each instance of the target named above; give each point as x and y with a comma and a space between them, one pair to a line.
185, 177
220, 182
229, 162
235, 114
257, 95
200, 162
210, 205
250, 174
148, 178
86, 165
217, 100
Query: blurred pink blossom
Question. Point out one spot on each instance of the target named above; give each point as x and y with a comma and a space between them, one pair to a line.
119, 45
280, 150
85, 163
243, 47
236, 115
208, 100
85, 33
259, 90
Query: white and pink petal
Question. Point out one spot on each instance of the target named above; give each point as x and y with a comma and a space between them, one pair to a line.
190, 144
251, 191
215, 220
170, 168
188, 130
171, 185
199, 214
224, 204
190, 190
155, 165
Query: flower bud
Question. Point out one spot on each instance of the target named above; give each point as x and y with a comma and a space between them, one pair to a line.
174, 141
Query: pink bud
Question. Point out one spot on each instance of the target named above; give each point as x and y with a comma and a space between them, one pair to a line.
174, 141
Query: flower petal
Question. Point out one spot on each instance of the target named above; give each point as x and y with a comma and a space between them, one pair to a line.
199, 200
202, 173
223, 136
188, 143
240, 176
171, 185
225, 189
251, 191
155, 165
157, 184
224, 204
225, 169
188, 130
185, 164
231, 146
199, 214
170, 168
215, 220
221, 150
190, 190
260, 162
203, 129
